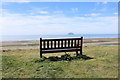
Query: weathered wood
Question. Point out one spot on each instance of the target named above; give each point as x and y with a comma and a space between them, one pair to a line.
75, 43
58, 44
61, 39
78, 44
47, 44
65, 43
68, 43
61, 45
71, 43
54, 44
40, 47
59, 48
51, 44
81, 45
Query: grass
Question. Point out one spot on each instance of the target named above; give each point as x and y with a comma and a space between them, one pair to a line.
25, 63
113, 43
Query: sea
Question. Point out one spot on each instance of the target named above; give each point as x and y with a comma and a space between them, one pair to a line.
37, 37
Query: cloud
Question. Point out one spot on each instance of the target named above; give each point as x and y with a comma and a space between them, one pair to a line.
105, 2
116, 13
62, 0
98, 3
18, 1
41, 25
93, 14
51, 24
43, 12
101, 2
74, 10
103, 9
24, 1
58, 12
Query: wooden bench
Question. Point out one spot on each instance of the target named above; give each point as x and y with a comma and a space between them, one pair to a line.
61, 45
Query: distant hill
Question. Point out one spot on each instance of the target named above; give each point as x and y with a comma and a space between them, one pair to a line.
70, 33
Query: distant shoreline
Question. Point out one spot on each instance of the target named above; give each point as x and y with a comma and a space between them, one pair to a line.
34, 44
56, 38
37, 37
60, 38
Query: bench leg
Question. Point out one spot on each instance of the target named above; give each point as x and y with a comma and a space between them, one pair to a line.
40, 54
77, 53
80, 52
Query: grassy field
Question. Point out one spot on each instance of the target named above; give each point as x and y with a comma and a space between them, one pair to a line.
113, 43
25, 63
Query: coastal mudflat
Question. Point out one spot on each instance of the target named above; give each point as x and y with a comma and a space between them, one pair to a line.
34, 44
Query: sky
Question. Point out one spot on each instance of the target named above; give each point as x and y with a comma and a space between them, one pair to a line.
46, 18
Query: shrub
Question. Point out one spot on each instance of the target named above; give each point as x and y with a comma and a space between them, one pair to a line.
66, 57
52, 58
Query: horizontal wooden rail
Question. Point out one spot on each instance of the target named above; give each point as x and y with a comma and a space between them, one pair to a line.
61, 39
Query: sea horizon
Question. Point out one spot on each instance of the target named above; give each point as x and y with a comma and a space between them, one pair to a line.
37, 37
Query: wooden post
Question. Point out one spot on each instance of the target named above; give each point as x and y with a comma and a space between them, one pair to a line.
81, 45
76, 45
40, 47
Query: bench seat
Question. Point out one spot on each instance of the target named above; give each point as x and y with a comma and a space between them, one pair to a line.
61, 50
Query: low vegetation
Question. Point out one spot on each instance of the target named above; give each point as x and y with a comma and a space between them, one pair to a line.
97, 62
113, 43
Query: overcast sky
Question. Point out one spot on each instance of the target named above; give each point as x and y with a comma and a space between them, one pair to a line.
35, 18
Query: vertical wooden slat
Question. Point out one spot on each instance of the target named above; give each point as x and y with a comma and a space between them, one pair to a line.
71, 43
74, 43
54, 43
61, 43
78, 43
65, 43
68, 43
47, 44
40, 47
58, 43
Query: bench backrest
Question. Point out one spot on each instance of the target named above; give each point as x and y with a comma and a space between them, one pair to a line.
46, 44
